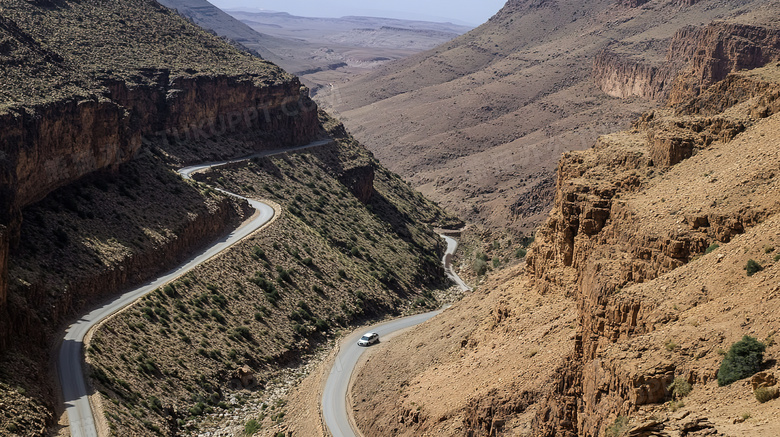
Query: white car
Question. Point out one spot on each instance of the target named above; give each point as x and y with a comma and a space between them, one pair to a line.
368, 339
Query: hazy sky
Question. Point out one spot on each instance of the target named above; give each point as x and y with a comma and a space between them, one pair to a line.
472, 12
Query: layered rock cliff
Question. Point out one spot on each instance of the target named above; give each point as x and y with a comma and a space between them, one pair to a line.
613, 228
696, 58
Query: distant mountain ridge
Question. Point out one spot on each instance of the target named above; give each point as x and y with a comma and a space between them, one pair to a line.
319, 50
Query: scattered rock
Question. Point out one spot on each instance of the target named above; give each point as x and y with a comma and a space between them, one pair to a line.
763, 379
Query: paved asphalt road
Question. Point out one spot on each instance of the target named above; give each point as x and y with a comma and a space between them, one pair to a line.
74, 389
452, 246
334, 396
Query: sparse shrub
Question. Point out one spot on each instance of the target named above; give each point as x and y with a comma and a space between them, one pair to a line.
321, 325
670, 345
520, 253
197, 409
299, 329
284, 275
480, 267
753, 267
675, 405
272, 296
713, 247
155, 404
766, 394
777, 257
743, 359
244, 332
342, 274
496, 263
218, 316
251, 428
680, 388
169, 290
619, 427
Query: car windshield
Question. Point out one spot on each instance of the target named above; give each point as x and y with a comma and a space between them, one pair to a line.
365, 337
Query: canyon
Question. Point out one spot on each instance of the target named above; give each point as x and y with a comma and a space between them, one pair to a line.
636, 280
96, 118
631, 144
478, 124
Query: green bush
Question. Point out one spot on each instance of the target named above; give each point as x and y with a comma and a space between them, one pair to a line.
520, 253
169, 290
251, 428
753, 267
742, 360
777, 257
713, 247
680, 388
321, 325
765, 394
480, 267
619, 428
155, 404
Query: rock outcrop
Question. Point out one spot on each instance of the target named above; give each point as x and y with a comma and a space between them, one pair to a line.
360, 181
624, 77
697, 57
714, 51
598, 240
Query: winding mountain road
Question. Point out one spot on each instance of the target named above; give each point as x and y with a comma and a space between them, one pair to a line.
69, 363
334, 397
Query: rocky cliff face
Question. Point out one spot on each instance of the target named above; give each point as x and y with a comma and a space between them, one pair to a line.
697, 57
360, 181
714, 51
611, 228
624, 77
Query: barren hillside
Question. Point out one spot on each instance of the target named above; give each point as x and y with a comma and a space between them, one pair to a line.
640, 278
478, 124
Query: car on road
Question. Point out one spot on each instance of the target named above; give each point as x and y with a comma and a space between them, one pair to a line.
368, 339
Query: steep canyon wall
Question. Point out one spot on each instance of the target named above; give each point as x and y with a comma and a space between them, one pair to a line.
600, 239
50, 146
697, 57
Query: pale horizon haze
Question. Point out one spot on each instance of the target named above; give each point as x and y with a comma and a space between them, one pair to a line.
458, 12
